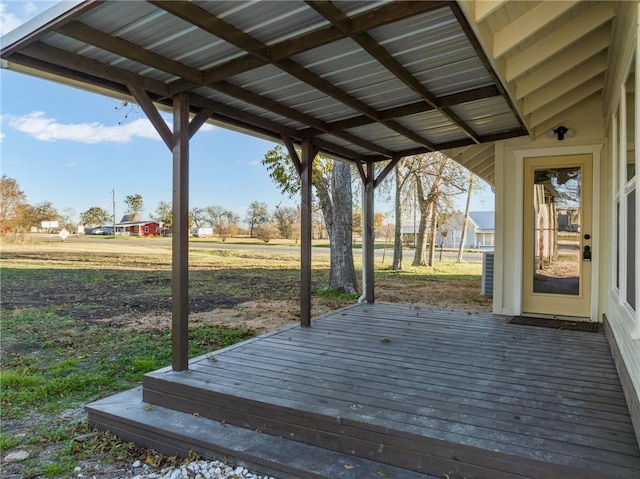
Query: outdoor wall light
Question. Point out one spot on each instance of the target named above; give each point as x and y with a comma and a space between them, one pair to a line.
561, 132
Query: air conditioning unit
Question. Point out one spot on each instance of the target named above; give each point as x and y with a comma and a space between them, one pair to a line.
487, 274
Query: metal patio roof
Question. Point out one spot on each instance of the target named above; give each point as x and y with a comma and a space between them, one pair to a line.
366, 80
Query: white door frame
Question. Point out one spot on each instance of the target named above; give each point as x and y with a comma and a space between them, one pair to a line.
520, 155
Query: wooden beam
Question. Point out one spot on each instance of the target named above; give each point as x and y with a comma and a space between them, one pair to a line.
142, 98
484, 8
528, 24
376, 17
200, 119
283, 110
361, 172
309, 152
385, 172
293, 154
576, 96
125, 49
382, 56
410, 109
559, 40
564, 63
65, 59
565, 84
368, 233
221, 29
180, 236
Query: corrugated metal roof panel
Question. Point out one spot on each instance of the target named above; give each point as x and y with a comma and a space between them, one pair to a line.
163, 33
447, 63
71, 45
383, 136
344, 143
249, 108
270, 81
433, 126
347, 66
490, 115
355, 7
265, 20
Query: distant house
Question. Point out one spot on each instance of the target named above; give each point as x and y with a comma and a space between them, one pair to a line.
138, 228
480, 231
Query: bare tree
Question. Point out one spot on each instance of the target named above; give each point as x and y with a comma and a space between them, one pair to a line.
437, 179
257, 214
402, 172
198, 217
221, 220
285, 218
463, 236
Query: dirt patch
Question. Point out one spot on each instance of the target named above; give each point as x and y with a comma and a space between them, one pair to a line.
256, 316
463, 294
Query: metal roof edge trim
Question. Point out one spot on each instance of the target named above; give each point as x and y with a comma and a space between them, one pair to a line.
44, 19
464, 10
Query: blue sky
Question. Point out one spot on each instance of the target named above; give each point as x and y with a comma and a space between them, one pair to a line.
72, 148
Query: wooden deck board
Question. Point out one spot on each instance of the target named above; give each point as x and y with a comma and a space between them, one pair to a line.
429, 390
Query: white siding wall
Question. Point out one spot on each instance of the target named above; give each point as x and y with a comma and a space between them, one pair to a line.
592, 136
624, 326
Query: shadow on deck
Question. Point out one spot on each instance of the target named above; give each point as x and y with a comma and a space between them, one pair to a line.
381, 390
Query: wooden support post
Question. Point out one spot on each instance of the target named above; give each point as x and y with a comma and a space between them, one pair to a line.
368, 233
308, 155
178, 142
180, 235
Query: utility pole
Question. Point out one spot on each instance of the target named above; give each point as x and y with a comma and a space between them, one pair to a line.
113, 200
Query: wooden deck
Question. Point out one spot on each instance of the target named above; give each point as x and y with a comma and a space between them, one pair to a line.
437, 392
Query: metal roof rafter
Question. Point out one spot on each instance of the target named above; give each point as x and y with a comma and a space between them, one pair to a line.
204, 20
194, 76
410, 109
382, 56
377, 17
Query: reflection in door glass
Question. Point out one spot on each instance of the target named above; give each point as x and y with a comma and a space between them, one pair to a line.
557, 230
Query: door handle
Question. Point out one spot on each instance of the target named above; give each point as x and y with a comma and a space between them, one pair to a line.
586, 253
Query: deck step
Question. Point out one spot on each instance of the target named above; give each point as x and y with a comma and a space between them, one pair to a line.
441, 392
175, 433
410, 448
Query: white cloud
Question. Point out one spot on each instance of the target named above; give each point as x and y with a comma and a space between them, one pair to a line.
8, 20
30, 8
43, 128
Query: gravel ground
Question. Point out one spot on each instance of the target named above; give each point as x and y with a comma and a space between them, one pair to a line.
194, 470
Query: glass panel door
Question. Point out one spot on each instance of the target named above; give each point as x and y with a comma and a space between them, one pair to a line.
556, 230
557, 237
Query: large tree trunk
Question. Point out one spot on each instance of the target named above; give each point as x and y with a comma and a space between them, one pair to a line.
338, 217
463, 236
397, 241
